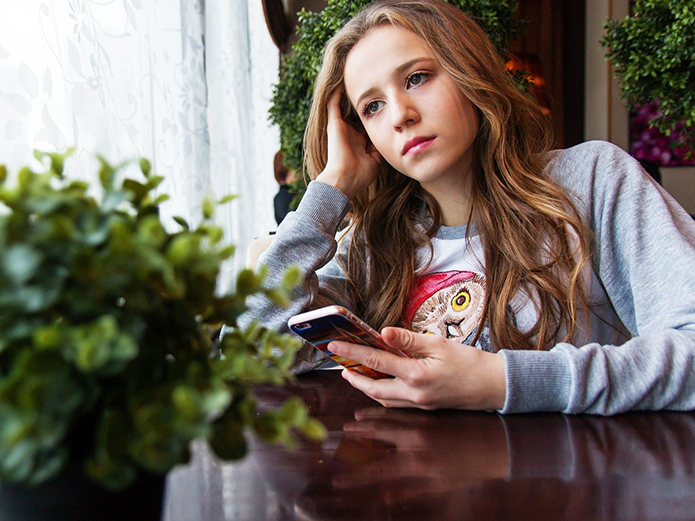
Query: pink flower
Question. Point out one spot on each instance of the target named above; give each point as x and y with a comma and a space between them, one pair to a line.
649, 143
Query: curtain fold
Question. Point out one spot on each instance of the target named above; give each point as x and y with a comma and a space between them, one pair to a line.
242, 65
175, 81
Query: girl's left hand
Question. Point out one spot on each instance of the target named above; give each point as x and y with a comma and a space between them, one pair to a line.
447, 375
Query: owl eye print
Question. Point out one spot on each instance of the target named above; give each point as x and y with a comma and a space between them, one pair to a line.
453, 311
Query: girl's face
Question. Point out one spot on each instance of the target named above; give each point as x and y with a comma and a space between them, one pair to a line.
412, 110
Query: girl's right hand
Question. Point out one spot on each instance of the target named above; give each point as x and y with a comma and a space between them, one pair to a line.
351, 167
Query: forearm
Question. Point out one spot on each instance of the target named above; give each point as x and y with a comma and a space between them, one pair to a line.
305, 239
652, 372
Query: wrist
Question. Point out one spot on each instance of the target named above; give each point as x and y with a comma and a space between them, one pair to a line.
496, 394
338, 179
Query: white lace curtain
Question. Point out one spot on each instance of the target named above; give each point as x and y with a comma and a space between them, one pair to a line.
185, 83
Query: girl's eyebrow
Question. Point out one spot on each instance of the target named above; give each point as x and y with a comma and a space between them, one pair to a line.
396, 72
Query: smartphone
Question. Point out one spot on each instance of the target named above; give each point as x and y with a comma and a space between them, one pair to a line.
321, 326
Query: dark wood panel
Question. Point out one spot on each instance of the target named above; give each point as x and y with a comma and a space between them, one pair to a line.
555, 36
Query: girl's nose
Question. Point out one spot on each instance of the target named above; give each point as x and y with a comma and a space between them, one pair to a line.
403, 112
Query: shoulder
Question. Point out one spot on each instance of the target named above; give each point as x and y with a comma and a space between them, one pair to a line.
595, 171
589, 160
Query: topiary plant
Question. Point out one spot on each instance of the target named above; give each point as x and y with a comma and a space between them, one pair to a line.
293, 93
653, 52
106, 352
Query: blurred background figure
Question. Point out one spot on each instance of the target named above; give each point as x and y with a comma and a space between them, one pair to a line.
284, 197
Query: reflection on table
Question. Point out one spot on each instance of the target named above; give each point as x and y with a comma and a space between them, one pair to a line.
382, 463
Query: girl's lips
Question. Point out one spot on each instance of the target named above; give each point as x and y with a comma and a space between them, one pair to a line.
417, 144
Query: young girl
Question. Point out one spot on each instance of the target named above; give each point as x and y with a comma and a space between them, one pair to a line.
521, 279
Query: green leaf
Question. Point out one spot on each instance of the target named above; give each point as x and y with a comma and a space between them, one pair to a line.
101, 345
154, 181
25, 178
161, 199
227, 252
112, 200
187, 401
33, 299
145, 167
293, 412
227, 439
136, 188
292, 278
182, 222
208, 208
50, 466
314, 430
278, 297
151, 231
248, 282
49, 337
21, 262
18, 464
121, 240
183, 249
226, 199
107, 174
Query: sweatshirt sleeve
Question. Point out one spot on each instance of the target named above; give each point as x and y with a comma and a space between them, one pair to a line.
645, 260
306, 239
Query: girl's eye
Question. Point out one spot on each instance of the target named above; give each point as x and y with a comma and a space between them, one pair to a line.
417, 78
372, 108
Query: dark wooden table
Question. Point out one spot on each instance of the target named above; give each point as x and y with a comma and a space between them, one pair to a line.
387, 464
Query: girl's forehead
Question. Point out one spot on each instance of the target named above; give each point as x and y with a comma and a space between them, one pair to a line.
380, 52
382, 46
389, 32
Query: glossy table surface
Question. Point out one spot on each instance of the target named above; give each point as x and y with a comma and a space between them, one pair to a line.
384, 464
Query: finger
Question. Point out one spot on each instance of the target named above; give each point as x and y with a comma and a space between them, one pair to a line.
335, 121
371, 357
403, 436
368, 413
389, 392
377, 427
334, 102
356, 139
425, 345
387, 417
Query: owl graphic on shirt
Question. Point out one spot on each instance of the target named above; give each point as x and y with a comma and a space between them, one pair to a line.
449, 304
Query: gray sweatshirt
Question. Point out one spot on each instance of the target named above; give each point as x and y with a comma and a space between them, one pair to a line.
643, 273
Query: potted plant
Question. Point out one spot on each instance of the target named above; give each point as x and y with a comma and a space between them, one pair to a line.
108, 368
292, 95
653, 52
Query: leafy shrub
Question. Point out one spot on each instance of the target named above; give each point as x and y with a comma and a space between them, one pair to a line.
653, 52
106, 355
294, 91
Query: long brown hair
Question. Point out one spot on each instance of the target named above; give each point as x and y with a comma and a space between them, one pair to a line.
532, 236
